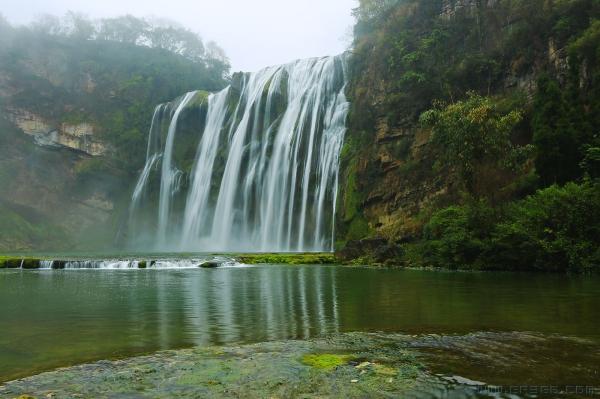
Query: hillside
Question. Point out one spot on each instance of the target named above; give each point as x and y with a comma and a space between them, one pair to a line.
74, 118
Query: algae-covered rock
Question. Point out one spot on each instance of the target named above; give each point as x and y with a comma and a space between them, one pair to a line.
142, 264
13, 263
31, 264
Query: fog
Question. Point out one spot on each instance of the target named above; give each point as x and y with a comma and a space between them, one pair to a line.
254, 34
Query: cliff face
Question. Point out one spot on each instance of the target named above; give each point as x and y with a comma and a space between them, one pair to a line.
415, 56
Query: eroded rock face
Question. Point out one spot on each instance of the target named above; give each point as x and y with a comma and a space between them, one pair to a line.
82, 137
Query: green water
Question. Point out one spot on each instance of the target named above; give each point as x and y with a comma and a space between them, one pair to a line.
52, 318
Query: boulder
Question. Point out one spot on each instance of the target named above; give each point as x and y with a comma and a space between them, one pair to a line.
369, 245
390, 254
352, 250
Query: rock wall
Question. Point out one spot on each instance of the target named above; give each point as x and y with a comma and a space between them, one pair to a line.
83, 136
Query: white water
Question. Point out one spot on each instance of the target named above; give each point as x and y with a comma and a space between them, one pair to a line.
135, 264
265, 173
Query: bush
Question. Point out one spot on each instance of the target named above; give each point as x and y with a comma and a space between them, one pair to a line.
458, 237
558, 229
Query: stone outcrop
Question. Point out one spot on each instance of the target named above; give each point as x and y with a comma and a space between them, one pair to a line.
82, 136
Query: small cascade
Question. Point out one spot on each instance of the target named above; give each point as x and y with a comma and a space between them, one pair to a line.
251, 168
46, 264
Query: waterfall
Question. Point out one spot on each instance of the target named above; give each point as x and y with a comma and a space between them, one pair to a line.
252, 168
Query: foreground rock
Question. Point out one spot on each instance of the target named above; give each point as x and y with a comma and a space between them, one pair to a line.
348, 365
283, 369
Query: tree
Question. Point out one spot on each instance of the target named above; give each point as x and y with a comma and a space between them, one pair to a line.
47, 24
172, 36
372, 9
554, 136
216, 60
128, 29
474, 139
79, 25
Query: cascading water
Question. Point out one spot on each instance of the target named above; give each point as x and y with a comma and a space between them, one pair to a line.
252, 168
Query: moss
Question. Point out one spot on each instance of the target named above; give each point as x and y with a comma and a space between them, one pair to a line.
12, 262
142, 264
199, 98
359, 228
352, 197
324, 361
287, 259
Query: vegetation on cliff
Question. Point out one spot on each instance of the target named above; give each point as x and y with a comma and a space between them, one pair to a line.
507, 145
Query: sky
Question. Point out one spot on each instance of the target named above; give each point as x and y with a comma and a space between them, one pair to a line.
254, 34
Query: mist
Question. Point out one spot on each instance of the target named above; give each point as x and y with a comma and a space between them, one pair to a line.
254, 35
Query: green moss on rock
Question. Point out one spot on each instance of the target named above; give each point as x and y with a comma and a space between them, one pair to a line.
324, 361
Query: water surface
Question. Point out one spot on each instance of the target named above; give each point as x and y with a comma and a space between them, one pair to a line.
51, 318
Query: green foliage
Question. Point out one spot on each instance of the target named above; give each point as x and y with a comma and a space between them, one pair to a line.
458, 237
352, 197
591, 162
589, 42
473, 137
558, 229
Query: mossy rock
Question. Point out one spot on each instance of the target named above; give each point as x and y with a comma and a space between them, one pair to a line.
31, 264
13, 263
142, 264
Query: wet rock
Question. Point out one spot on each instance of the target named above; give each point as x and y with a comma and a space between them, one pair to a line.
388, 254
371, 244
352, 250
31, 264
367, 247
210, 264
142, 264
